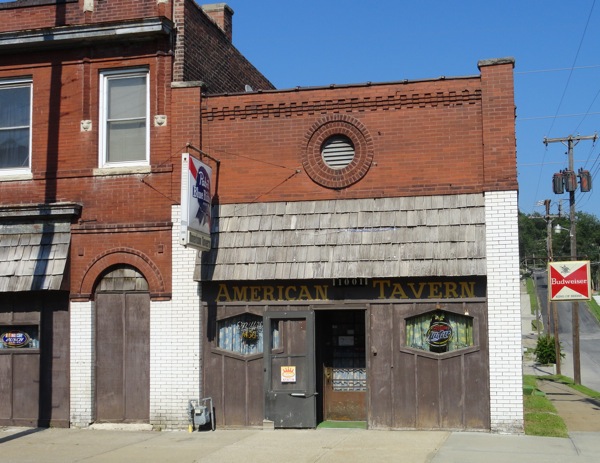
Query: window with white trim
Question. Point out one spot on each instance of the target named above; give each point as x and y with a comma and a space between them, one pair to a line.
15, 126
124, 118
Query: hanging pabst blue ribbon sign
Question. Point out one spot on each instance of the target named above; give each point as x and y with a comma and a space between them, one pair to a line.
439, 334
195, 203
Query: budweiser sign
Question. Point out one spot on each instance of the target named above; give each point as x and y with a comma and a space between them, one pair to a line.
569, 281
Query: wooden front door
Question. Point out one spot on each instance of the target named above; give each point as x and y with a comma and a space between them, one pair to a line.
123, 357
343, 362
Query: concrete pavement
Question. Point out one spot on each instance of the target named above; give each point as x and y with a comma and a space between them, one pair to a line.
290, 446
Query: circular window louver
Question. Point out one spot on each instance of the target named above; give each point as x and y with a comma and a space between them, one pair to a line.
337, 152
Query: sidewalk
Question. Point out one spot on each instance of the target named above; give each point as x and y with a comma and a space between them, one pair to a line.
290, 446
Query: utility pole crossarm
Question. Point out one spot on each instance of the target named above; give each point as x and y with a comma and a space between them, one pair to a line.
570, 138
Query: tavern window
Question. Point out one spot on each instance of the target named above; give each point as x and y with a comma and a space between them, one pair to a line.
124, 116
439, 332
15, 126
243, 334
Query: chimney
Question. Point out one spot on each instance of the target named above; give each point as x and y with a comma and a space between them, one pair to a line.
221, 14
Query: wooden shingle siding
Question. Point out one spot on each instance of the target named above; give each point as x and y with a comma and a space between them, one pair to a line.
388, 237
33, 256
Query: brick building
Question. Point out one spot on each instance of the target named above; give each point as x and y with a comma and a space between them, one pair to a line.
358, 228
99, 100
363, 263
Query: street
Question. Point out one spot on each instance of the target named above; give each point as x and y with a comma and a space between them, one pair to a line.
589, 334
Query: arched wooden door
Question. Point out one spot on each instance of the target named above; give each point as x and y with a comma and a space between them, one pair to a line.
123, 347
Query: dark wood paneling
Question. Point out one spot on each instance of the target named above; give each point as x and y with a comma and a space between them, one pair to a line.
6, 375
255, 392
137, 357
26, 389
234, 382
123, 357
234, 390
34, 384
381, 364
110, 331
477, 392
428, 410
452, 393
424, 390
405, 391
55, 367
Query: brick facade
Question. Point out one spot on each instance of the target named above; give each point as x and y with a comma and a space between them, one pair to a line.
126, 214
417, 139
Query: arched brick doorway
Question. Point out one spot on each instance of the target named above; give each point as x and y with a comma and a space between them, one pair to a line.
122, 347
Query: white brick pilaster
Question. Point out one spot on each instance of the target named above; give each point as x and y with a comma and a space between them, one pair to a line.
82, 382
504, 313
175, 348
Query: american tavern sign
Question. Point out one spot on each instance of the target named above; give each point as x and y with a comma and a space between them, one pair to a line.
322, 290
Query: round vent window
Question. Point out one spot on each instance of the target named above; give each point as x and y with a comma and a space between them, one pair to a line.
337, 152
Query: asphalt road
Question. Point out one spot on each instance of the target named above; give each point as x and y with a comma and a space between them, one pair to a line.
589, 334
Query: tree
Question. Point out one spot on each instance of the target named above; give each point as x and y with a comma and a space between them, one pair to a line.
533, 236
532, 240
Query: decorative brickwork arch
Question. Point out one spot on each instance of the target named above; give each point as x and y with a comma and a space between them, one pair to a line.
119, 257
319, 133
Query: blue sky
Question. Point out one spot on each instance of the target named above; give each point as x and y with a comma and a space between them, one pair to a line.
555, 43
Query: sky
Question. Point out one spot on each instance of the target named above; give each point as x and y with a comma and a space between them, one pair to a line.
555, 44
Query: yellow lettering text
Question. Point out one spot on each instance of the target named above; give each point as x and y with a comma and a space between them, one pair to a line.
240, 293
288, 293
321, 292
304, 293
417, 293
398, 292
467, 289
451, 289
223, 295
268, 293
382, 285
434, 290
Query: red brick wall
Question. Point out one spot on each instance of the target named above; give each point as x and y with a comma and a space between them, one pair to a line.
498, 126
209, 55
36, 14
120, 211
427, 138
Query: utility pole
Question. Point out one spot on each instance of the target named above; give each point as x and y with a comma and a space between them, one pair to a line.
571, 141
552, 304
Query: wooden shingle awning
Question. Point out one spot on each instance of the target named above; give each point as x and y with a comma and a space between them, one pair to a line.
376, 237
34, 246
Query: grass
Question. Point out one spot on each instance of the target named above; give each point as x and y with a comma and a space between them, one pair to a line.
532, 295
594, 308
541, 418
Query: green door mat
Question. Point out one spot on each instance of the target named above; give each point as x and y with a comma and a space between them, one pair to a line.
343, 424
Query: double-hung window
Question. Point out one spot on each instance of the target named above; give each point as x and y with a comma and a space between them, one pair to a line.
124, 116
15, 126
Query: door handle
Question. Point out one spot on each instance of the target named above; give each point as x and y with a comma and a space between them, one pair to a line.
303, 395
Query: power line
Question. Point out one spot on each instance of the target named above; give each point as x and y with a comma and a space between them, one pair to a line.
536, 118
563, 95
538, 71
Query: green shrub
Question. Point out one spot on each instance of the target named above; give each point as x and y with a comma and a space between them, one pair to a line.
545, 351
